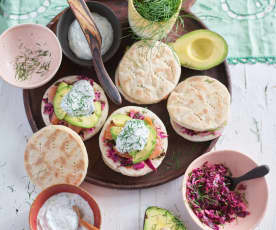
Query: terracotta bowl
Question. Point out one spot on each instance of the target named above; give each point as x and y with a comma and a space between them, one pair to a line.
55, 189
34, 37
256, 192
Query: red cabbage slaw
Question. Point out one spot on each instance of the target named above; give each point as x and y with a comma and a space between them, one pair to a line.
210, 198
191, 132
128, 162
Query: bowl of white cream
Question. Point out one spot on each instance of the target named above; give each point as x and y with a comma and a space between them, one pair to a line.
73, 42
53, 209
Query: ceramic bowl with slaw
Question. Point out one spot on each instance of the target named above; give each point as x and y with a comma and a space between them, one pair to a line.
238, 164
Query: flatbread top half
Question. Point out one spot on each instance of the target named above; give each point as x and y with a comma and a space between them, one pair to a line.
199, 103
149, 71
54, 155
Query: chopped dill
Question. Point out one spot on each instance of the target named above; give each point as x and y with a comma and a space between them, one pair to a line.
31, 61
157, 10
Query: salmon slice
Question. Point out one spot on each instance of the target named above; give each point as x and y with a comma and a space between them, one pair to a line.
157, 150
54, 119
52, 93
75, 128
107, 133
125, 155
148, 120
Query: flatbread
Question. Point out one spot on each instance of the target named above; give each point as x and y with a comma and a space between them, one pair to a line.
121, 91
55, 155
199, 103
116, 165
148, 72
194, 138
86, 134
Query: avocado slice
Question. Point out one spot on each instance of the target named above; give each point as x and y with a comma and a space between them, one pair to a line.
120, 119
200, 49
161, 219
86, 122
98, 108
115, 131
62, 85
61, 92
144, 154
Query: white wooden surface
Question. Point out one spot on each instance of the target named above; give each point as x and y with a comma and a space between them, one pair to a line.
252, 130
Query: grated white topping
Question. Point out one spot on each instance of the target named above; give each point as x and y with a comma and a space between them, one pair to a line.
79, 100
133, 136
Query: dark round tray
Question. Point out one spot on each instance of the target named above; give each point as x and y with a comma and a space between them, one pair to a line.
180, 152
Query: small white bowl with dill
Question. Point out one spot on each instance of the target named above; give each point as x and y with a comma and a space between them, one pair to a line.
30, 55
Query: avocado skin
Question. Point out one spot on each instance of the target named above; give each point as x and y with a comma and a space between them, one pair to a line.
173, 223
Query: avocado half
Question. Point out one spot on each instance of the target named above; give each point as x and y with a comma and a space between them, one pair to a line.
161, 219
200, 49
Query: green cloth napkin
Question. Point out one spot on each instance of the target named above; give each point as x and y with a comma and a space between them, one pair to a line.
249, 27
13, 12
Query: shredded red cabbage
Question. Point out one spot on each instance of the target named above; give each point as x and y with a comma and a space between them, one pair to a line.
102, 105
139, 165
48, 107
160, 133
111, 153
91, 81
91, 130
97, 95
136, 115
191, 132
210, 198
150, 165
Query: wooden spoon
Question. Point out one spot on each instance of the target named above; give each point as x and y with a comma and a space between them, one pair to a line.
93, 37
83, 222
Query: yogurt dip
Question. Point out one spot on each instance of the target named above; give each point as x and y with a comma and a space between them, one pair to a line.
78, 42
133, 137
57, 212
79, 100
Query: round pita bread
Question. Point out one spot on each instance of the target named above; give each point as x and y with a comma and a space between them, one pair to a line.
56, 155
199, 103
194, 138
150, 70
86, 134
116, 165
121, 91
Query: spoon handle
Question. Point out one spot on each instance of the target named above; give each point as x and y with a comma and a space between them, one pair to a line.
104, 78
87, 225
94, 40
257, 172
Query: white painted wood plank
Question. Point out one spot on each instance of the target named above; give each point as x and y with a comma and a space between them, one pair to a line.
124, 210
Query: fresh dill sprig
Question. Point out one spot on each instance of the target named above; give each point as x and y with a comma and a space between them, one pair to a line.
157, 10
31, 61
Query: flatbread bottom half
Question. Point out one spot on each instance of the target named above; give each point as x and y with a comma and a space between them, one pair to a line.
86, 134
116, 166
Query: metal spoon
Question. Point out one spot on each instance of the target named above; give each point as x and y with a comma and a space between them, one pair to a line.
83, 222
93, 37
252, 174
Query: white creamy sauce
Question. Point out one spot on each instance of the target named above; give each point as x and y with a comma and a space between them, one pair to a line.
79, 100
78, 42
57, 212
133, 137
